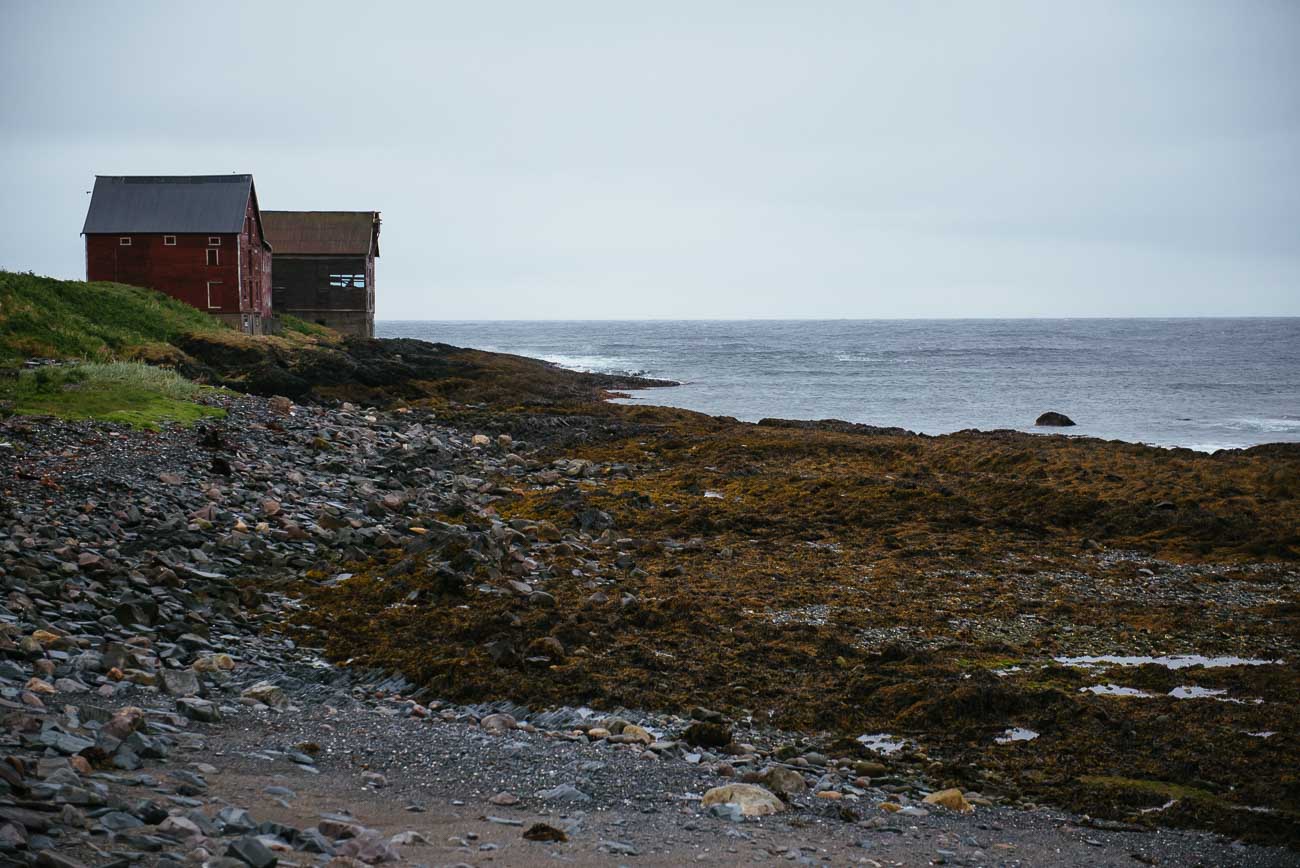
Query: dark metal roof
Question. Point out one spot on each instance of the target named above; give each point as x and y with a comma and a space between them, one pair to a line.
175, 203
322, 233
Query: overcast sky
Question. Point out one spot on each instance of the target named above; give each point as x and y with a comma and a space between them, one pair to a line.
700, 159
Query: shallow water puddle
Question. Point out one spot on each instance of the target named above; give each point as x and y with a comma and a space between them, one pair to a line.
1193, 692
1171, 661
1185, 692
882, 743
1016, 733
1114, 690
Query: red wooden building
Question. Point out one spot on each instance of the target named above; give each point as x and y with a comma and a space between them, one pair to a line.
197, 238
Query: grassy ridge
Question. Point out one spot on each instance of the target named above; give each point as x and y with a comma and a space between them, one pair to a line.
102, 323
42, 316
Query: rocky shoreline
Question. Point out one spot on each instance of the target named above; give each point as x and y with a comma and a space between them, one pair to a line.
167, 700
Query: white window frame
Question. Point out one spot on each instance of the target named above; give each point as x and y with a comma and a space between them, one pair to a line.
214, 240
212, 256
124, 241
212, 306
169, 240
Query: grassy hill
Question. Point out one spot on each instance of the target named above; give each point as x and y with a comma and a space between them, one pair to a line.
42, 316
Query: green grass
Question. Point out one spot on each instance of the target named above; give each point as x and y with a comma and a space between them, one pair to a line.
292, 324
72, 319
128, 392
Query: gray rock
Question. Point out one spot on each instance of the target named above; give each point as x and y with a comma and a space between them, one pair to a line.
251, 851
198, 709
120, 821
370, 847
729, 811
180, 682
564, 793
234, 821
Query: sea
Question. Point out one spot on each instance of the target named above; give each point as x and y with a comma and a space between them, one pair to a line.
1203, 384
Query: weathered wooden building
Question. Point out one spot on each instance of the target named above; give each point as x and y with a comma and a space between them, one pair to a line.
197, 238
325, 266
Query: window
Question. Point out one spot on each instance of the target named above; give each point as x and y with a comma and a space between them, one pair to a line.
348, 280
214, 256
214, 298
214, 240
124, 241
169, 240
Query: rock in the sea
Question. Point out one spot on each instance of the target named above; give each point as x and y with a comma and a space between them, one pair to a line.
753, 801
1052, 419
952, 799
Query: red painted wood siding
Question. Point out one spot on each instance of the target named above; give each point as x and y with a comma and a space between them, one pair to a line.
181, 270
255, 262
240, 281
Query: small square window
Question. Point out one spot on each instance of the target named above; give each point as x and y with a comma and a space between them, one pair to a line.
214, 240
124, 241
214, 256
169, 240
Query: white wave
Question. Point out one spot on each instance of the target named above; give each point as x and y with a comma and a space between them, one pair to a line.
1270, 425
591, 364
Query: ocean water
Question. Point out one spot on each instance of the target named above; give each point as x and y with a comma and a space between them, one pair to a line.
1201, 383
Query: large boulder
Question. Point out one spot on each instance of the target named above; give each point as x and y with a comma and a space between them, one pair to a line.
1053, 419
753, 801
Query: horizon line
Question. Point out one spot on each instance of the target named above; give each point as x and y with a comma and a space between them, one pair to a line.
847, 318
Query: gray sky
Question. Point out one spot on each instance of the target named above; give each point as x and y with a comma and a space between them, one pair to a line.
700, 159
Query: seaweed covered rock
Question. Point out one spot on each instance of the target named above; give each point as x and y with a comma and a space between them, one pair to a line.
382, 371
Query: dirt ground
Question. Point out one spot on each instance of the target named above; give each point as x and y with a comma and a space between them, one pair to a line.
451, 769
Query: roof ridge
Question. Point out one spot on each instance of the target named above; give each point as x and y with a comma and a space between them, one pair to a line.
177, 179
